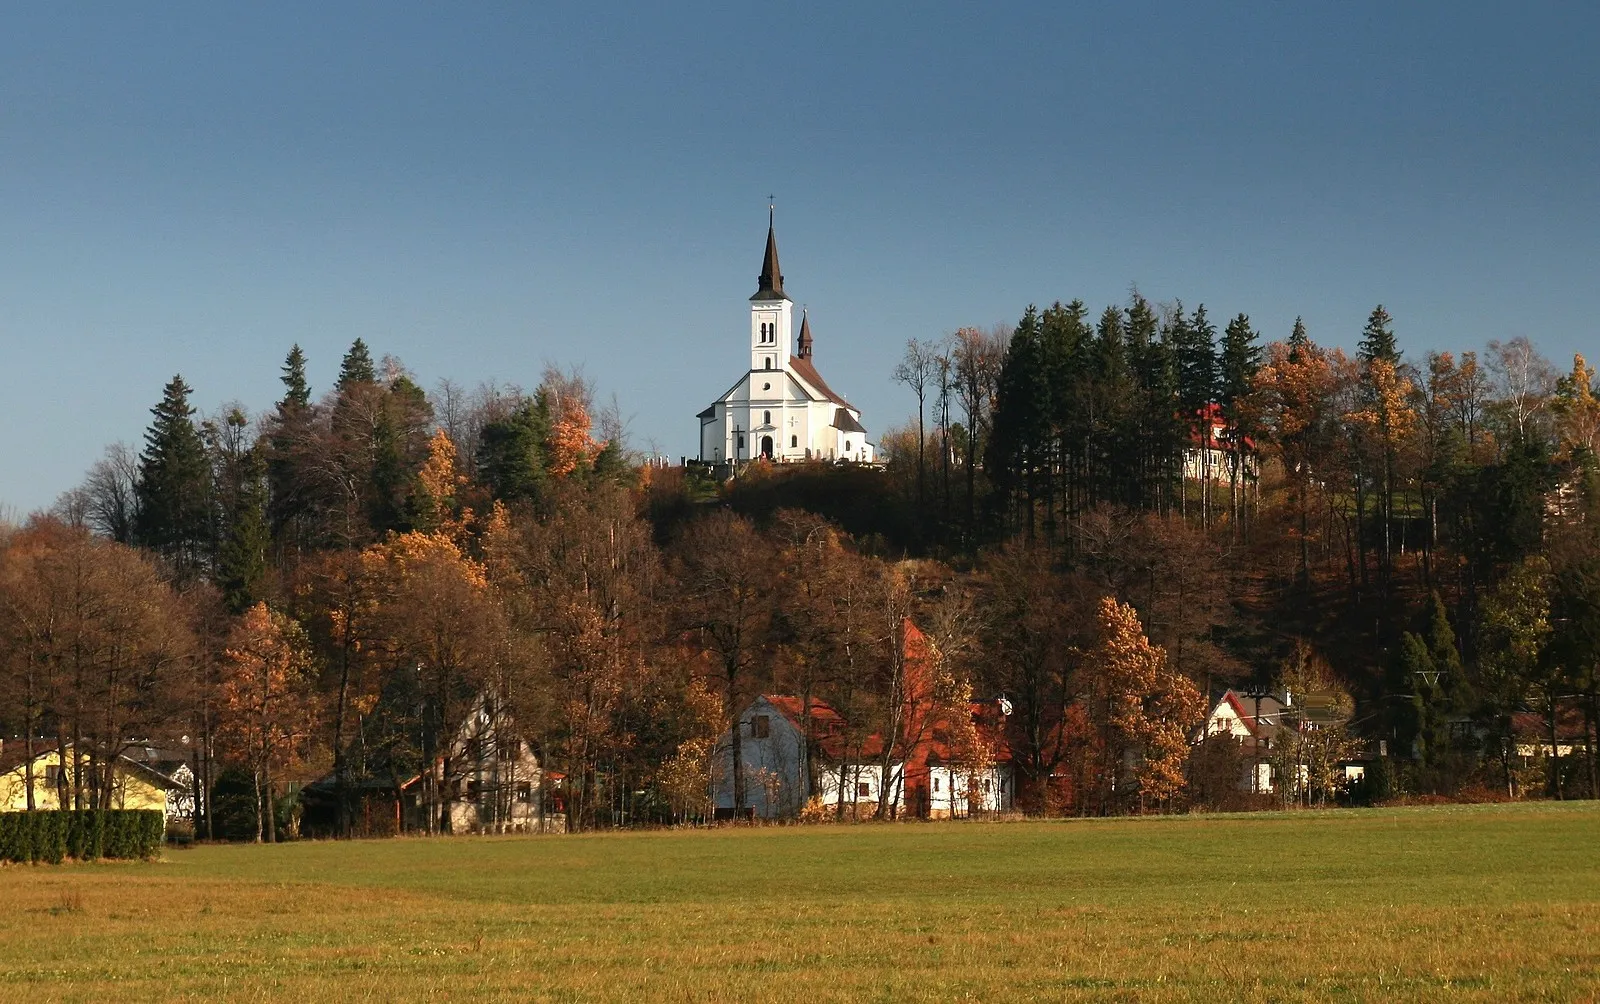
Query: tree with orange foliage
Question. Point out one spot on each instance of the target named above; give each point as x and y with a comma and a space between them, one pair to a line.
1141, 708
434, 613
268, 706
567, 397
439, 483
1384, 419
1295, 392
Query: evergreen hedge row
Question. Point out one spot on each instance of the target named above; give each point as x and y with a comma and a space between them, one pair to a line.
51, 837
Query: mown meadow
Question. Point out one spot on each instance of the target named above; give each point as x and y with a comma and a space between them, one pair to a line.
1447, 903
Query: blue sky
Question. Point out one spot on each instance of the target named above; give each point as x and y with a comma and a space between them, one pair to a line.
481, 189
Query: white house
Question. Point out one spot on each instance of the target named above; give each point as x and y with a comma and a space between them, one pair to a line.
773, 756
781, 408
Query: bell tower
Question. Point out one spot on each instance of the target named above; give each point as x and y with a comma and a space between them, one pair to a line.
771, 311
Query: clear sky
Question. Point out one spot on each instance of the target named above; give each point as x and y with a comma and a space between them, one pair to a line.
480, 189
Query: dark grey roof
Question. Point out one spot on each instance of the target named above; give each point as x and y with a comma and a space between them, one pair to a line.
846, 422
770, 281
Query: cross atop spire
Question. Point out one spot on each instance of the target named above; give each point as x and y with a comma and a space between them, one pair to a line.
770, 282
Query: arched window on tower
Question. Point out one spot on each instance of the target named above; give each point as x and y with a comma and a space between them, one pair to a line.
769, 362
766, 418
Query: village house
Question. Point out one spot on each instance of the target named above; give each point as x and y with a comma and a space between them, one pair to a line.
133, 784
1212, 455
1263, 722
797, 751
492, 782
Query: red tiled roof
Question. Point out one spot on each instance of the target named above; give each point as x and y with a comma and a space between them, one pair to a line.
807, 372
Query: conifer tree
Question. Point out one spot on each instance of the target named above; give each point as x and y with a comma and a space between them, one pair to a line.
174, 490
1196, 345
297, 392
356, 367
1021, 418
240, 493
1237, 367
290, 431
511, 453
1377, 338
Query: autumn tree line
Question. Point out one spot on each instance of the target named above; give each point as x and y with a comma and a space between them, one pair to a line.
1416, 532
325, 590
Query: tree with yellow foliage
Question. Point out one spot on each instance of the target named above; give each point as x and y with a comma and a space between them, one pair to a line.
1577, 413
435, 614
268, 706
1142, 709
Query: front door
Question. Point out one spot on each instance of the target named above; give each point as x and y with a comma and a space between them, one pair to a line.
766, 447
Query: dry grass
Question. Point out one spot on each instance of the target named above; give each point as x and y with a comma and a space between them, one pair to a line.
1469, 903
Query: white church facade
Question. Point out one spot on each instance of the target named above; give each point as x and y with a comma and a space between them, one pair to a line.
781, 409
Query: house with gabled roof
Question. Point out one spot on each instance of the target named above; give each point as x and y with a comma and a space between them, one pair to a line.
133, 785
795, 749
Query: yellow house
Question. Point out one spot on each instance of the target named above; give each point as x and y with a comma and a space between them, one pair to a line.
134, 786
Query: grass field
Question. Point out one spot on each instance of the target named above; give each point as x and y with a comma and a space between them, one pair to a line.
1456, 903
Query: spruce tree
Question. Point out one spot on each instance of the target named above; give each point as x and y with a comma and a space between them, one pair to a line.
511, 453
1298, 340
290, 430
1020, 440
297, 392
1237, 368
1196, 345
174, 490
356, 367
1377, 338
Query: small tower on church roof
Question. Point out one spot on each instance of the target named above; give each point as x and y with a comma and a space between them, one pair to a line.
805, 335
770, 282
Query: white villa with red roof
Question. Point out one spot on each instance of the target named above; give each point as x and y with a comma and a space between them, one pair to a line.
781, 409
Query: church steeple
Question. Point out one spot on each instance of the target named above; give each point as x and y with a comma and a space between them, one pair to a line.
805, 335
771, 279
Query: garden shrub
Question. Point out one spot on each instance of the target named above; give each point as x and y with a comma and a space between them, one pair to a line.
51, 837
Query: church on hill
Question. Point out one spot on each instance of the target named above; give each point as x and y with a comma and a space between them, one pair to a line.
781, 409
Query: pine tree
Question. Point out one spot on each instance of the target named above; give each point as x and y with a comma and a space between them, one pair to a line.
1196, 347
1236, 377
511, 454
174, 490
1377, 338
239, 491
356, 368
297, 392
1020, 440
1298, 340
289, 432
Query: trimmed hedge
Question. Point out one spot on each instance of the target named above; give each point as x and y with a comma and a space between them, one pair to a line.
51, 837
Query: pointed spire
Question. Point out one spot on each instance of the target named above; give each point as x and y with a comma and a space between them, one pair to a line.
771, 278
805, 334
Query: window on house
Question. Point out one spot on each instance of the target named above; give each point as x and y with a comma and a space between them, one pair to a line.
525, 792
935, 784
760, 727
863, 789
52, 774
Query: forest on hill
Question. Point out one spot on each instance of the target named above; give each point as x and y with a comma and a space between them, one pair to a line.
1107, 521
